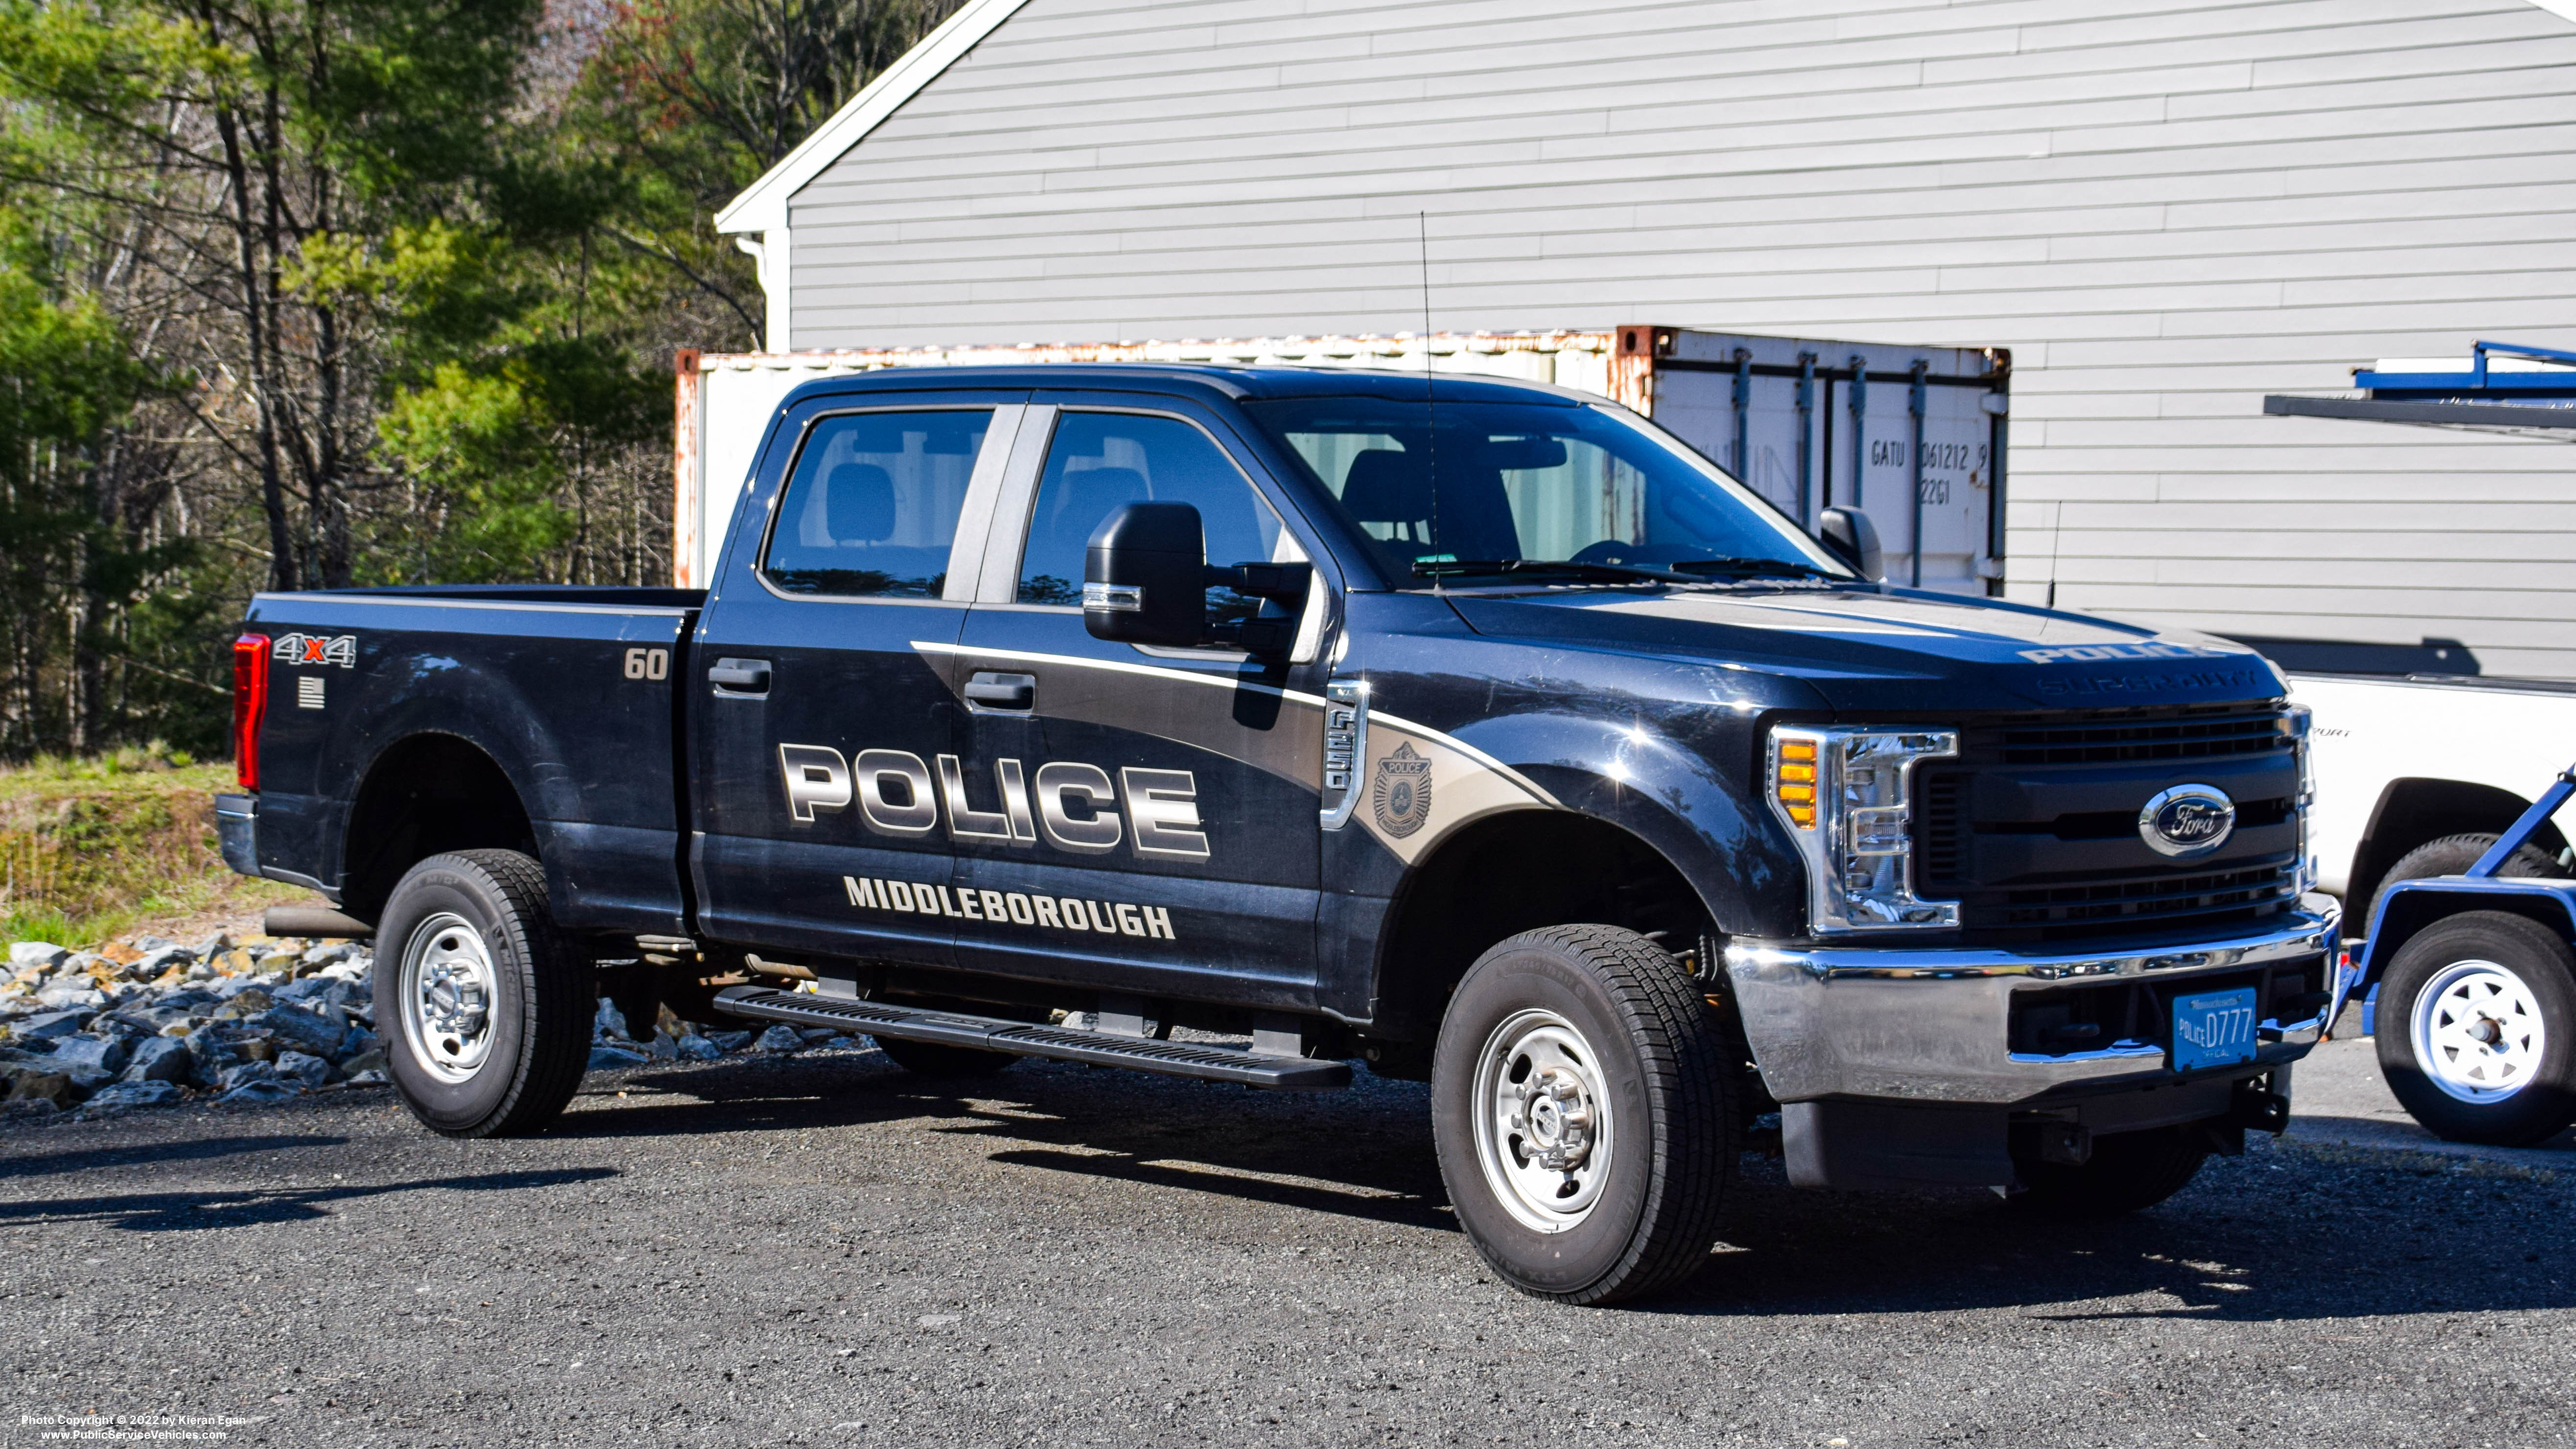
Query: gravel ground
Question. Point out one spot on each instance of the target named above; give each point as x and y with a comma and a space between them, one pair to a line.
823, 1250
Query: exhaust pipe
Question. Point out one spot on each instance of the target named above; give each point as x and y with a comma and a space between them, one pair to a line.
315, 921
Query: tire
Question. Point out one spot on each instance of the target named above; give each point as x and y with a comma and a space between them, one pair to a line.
2453, 855
2462, 980
479, 920
2127, 1172
931, 1059
1640, 1114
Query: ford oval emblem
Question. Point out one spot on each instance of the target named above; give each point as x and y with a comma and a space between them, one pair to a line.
2187, 820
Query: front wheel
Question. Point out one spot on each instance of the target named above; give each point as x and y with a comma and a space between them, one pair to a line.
1582, 1106
2477, 1029
486, 1009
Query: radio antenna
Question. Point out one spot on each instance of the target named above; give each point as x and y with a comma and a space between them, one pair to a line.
1430, 403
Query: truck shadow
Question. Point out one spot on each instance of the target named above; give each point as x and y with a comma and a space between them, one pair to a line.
2287, 1233
2272, 1236
82, 1160
164, 1212
1363, 1153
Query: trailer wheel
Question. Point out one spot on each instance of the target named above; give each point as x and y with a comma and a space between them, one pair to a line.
1582, 1106
2454, 854
485, 1008
2128, 1172
2477, 1029
932, 1059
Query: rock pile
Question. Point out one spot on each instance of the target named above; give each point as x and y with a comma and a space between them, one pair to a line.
148, 1022
674, 1040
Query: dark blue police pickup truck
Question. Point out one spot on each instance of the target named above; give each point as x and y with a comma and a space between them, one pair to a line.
1479, 731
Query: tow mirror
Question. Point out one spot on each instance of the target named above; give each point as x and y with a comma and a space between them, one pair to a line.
1144, 576
1145, 580
1849, 535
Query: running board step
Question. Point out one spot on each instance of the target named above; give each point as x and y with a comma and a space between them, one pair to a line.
948, 1028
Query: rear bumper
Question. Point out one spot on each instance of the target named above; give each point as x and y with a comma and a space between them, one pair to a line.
237, 827
1921, 1026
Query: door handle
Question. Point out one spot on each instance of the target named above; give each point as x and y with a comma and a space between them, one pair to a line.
1002, 693
743, 678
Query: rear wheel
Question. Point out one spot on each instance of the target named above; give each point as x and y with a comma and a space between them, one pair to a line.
2127, 1172
2477, 1029
1582, 1108
485, 1008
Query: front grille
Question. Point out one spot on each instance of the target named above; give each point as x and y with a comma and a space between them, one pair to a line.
2055, 868
1940, 811
2126, 736
2138, 901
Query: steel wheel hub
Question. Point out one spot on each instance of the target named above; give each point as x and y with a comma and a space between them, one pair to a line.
447, 990
1543, 1127
2477, 1032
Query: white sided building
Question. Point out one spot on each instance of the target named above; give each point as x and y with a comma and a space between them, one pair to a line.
2133, 221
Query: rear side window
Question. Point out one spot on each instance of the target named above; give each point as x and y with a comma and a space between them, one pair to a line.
872, 508
1099, 462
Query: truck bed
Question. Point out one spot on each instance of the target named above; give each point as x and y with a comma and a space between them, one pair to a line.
569, 690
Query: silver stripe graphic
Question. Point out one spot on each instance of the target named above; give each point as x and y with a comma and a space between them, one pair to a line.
1310, 775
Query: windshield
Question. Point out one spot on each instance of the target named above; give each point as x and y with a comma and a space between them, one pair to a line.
1458, 490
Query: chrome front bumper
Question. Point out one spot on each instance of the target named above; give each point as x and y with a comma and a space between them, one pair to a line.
1932, 1025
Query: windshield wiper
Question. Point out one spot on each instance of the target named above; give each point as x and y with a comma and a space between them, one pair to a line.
1556, 568
1777, 567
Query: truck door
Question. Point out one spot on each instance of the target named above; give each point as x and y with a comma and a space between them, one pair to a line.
821, 716
1140, 819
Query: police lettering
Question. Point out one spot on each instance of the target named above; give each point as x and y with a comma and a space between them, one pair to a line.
1074, 807
2156, 650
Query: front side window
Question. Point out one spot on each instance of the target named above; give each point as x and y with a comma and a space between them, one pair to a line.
1099, 462
872, 508
1462, 489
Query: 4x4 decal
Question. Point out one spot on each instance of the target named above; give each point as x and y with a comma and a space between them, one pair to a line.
340, 649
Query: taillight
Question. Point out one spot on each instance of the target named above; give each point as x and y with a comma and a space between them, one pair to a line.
250, 703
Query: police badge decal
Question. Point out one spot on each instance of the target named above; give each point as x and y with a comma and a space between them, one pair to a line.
1400, 797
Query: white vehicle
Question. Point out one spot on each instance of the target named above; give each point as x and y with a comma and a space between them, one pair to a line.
2416, 776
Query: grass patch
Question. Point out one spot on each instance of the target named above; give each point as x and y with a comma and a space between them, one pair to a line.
93, 848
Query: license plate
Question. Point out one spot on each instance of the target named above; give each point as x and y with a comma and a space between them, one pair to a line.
2213, 1029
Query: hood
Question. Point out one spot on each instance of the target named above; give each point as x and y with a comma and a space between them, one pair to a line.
1899, 650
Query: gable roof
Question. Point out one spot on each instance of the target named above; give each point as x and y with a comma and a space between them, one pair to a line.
763, 205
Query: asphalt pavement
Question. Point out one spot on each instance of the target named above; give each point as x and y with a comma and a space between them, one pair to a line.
2342, 1101
823, 1250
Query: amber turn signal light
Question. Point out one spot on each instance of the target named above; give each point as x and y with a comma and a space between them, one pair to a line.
1793, 781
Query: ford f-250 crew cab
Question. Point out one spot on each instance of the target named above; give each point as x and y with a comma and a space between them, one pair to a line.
1476, 730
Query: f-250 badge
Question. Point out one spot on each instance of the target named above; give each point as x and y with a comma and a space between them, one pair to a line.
340, 649
1400, 797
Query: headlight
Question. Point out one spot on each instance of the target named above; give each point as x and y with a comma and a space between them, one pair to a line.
2298, 717
1846, 795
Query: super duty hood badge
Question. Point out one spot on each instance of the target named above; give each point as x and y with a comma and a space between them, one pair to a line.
2187, 820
